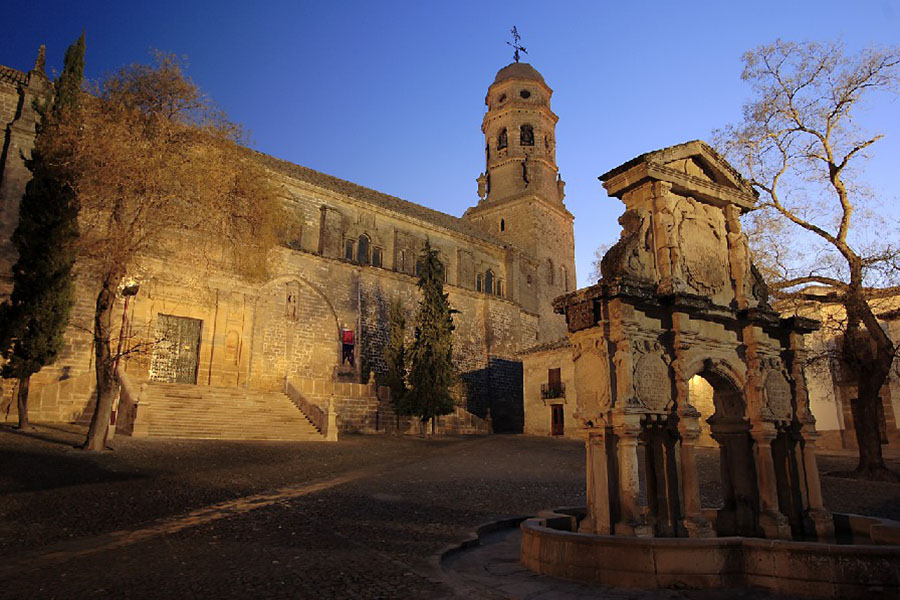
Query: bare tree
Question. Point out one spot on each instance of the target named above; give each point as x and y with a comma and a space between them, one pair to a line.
158, 170
800, 147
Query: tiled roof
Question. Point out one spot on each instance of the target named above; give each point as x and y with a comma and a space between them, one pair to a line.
562, 342
14, 76
369, 196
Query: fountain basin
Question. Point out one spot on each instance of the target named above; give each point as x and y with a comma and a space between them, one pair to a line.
552, 546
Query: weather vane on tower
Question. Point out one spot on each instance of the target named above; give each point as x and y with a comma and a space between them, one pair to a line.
515, 43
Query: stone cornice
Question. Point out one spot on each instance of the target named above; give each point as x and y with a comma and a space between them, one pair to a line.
714, 193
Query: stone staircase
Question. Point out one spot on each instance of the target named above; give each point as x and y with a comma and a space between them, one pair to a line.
201, 412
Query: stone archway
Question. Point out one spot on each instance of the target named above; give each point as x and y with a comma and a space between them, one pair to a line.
730, 428
679, 297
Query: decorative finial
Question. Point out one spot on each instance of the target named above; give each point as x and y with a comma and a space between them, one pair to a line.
41, 59
515, 43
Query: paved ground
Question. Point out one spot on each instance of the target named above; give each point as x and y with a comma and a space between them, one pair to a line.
364, 518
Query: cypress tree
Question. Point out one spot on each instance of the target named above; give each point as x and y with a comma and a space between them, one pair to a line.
431, 370
34, 319
395, 357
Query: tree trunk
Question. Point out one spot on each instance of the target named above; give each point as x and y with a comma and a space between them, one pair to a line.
22, 402
871, 355
868, 437
106, 381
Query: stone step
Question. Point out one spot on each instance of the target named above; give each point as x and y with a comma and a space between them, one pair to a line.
200, 412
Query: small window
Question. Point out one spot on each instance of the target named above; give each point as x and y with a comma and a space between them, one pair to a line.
502, 225
499, 287
528, 280
362, 252
525, 94
489, 282
348, 250
526, 135
402, 268
376, 257
479, 283
502, 98
502, 139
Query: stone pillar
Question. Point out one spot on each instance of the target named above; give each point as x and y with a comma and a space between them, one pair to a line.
822, 521
694, 522
631, 512
773, 523
599, 517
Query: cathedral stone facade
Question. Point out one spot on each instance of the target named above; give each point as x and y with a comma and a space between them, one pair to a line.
355, 250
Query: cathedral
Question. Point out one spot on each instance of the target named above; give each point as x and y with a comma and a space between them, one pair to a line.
200, 354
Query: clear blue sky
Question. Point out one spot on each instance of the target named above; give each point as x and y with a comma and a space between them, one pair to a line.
390, 95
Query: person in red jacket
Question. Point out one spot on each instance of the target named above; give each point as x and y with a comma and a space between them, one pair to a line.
347, 344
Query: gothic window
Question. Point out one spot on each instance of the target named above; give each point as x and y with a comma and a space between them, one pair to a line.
362, 250
376, 257
549, 271
526, 135
502, 141
479, 283
489, 282
348, 250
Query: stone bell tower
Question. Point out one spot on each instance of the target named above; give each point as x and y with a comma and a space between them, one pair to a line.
521, 193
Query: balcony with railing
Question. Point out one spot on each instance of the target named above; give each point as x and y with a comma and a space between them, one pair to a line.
553, 390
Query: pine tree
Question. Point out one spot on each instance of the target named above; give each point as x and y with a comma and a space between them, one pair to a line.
431, 358
395, 357
33, 321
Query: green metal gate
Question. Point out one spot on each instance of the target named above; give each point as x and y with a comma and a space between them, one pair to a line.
176, 353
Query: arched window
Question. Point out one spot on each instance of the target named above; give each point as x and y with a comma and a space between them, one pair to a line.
526, 135
362, 250
502, 141
489, 282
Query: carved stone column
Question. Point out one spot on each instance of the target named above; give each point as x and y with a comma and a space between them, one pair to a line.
689, 429
599, 517
631, 512
773, 523
820, 517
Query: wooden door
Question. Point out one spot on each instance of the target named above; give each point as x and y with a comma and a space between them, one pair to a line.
557, 416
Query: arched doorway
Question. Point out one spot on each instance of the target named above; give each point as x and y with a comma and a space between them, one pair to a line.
729, 427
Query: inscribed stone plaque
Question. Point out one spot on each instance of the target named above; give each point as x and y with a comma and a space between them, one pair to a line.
652, 382
778, 395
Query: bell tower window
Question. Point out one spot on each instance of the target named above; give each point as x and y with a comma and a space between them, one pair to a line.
502, 140
526, 135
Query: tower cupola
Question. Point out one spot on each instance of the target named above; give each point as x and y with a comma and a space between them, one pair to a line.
520, 137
